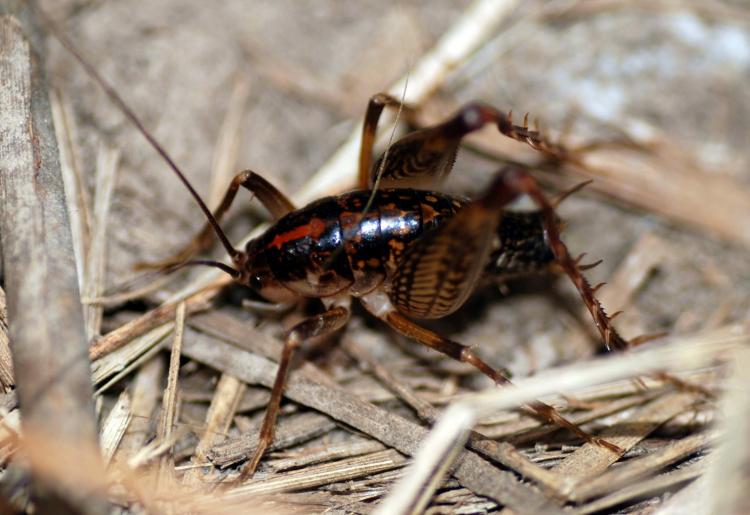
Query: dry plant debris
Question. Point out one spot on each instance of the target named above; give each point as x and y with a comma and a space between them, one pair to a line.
278, 89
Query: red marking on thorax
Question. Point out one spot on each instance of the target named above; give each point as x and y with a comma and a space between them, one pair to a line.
314, 228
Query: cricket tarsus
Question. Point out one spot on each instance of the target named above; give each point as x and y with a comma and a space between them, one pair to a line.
415, 254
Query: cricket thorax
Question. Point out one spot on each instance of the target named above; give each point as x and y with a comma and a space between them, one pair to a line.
336, 243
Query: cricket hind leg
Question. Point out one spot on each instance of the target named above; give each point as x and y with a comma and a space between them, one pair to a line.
513, 181
425, 157
271, 198
379, 305
320, 325
440, 269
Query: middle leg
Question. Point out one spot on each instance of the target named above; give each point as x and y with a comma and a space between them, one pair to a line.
425, 157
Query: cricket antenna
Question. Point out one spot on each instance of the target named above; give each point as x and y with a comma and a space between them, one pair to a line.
203, 262
133, 118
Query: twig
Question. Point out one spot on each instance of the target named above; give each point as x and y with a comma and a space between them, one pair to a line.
127, 332
310, 477
423, 409
532, 430
54, 383
648, 181
694, 499
121, 362
228, 142
733, 455
169, 403
248, 337
454, 425
675, 192
472, 471
503, 453
590, 460
328, 453
290, 431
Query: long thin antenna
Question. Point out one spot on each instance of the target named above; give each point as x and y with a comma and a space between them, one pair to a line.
203, 262
133, 118
379, 174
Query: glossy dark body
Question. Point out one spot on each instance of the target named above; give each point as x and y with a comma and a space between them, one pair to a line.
329, 247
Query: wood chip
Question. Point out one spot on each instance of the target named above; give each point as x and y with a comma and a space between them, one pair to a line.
310, 477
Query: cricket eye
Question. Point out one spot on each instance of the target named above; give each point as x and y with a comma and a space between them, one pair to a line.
256, 283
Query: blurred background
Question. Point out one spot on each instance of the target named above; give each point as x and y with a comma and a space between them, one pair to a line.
667, 75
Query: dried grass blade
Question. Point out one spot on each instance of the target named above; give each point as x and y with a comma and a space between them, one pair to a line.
93, 284
115, 425
227, 395
478, 22
76, 195
472, 471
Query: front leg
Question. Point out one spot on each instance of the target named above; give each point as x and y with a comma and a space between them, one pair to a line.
323, 324
271, 198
